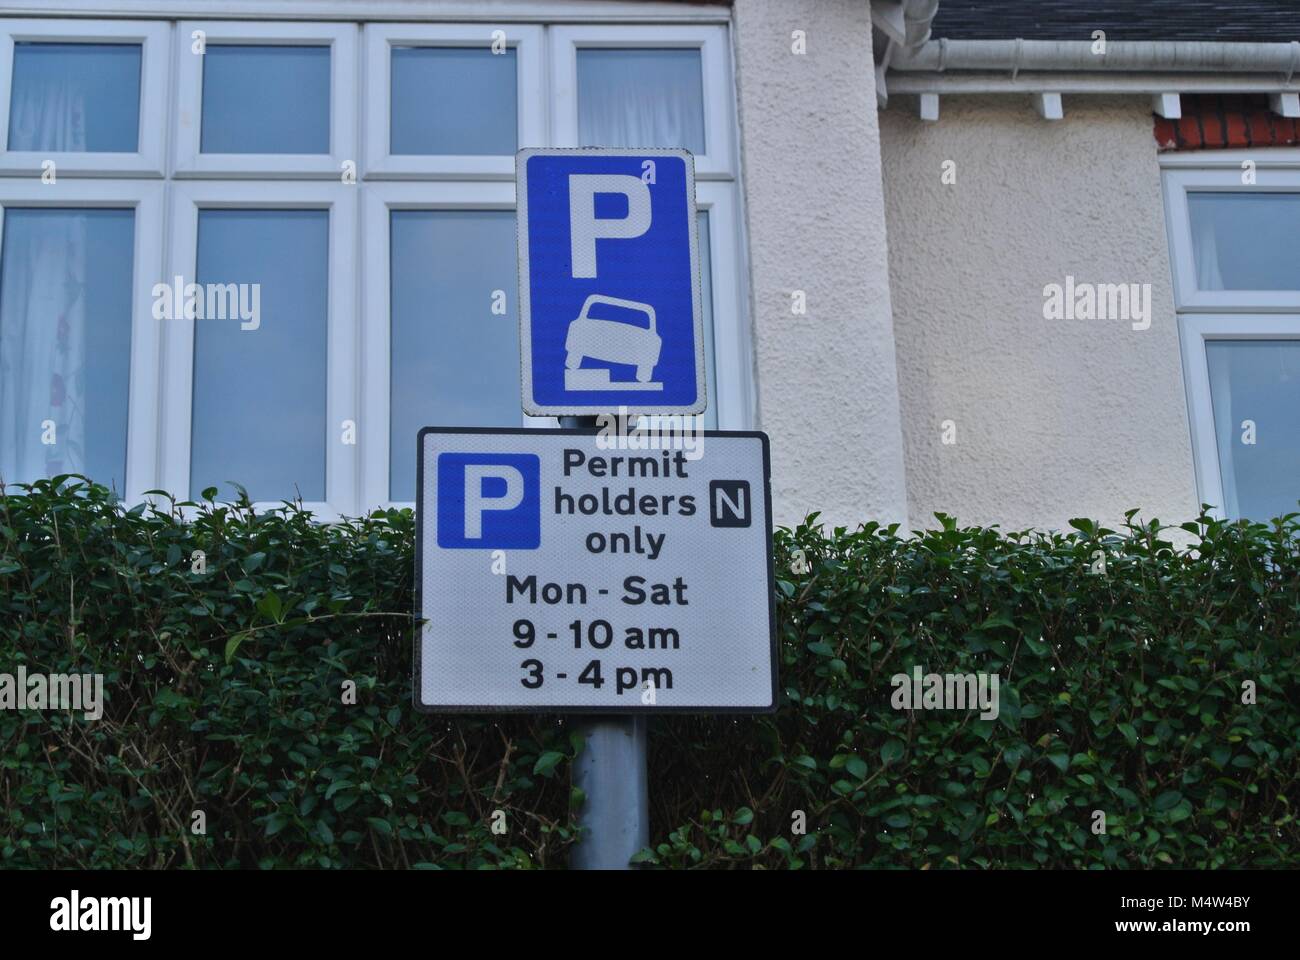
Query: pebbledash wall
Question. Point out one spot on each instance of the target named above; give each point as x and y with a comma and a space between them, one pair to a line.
1053, 418
810, 159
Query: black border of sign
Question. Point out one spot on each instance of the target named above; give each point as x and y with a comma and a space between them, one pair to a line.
551, 708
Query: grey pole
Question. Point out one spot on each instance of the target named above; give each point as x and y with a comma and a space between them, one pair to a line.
611, 773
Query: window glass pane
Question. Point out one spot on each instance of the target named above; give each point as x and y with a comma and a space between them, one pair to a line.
79, 97
454, 100
259, 393
641, 98
454, 361
1245, 241
65, 343
1259, 381
266, 99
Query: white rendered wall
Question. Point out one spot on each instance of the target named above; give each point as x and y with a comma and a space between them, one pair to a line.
810, 155
1054, 418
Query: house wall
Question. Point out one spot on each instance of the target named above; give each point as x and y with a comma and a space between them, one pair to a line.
1054, 418
810, 154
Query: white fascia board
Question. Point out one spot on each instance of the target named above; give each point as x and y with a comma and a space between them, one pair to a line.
1079, 82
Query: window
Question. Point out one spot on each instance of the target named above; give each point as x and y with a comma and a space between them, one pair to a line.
1245, 241
261, 374
1257, 382
628, 86
475, 108
631, 97
75, 97
73, 264
1237, 289
76, 93
65, 339
452, 100
243, 370
265, 99
338, 265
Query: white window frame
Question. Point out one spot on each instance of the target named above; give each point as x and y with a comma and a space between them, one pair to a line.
1206, 315
143, 398
342, 461
190, 161
1194, 332
1181, 181
147, 160
733, 384
718, 162
525, 40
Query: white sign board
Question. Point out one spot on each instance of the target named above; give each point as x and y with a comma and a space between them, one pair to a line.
568, 570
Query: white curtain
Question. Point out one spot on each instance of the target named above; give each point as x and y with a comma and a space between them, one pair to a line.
1206, 247
42, 305
640, 98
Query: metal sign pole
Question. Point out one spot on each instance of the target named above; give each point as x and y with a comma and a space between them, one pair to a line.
654, 286
611, 773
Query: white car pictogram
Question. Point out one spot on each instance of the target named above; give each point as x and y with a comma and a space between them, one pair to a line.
613, 341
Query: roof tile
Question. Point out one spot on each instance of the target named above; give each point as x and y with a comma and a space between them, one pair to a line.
1250, 21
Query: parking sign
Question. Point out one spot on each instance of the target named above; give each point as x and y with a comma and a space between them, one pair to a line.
609, 282
560, 571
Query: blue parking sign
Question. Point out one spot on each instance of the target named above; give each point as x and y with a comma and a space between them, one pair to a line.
609, 282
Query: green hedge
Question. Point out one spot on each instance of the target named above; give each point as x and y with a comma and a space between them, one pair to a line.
1121, 691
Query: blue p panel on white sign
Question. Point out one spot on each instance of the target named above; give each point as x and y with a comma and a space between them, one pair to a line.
609, 282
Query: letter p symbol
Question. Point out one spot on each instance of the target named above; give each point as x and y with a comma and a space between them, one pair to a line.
476, 501
585, 228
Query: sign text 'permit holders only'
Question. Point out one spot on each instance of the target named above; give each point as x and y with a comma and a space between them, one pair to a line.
568, 571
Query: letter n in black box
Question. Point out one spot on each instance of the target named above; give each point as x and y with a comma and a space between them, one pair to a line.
729, 503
